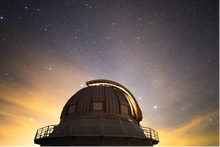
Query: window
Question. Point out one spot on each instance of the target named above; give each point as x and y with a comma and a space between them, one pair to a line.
97, 105
72, 108
124, 109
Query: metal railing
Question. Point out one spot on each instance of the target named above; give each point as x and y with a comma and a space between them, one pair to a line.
150, 133
44, 132
95, 130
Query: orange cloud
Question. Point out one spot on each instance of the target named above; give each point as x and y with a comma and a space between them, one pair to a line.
198, 132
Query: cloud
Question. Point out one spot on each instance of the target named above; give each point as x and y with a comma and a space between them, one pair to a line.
201, 131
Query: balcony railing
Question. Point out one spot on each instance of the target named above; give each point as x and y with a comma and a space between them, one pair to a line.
44, 132
87, 130
150, 133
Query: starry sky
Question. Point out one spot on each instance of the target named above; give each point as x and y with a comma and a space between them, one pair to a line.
165, 52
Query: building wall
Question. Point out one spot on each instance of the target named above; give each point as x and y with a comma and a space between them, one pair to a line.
96, 141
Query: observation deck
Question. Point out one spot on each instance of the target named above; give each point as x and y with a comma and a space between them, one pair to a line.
54, 131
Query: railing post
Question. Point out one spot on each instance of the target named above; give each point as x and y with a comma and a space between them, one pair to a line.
36, 135
150, 134
47, 131
41, 130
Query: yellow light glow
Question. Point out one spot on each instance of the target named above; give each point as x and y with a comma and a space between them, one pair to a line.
131, 101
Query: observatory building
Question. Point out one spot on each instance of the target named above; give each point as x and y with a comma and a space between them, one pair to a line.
103, 114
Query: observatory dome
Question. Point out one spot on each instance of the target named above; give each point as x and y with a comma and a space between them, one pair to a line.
102, 97
104, 113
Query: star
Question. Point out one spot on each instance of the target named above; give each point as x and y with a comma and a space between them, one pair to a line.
163, 50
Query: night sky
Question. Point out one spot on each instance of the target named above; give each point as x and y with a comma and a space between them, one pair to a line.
166, 52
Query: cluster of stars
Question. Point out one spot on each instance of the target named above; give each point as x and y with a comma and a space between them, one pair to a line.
164, 52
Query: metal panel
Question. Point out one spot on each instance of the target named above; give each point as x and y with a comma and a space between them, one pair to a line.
72, 108
114, 141
135, 142
99, 93
111, 97
97, 106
